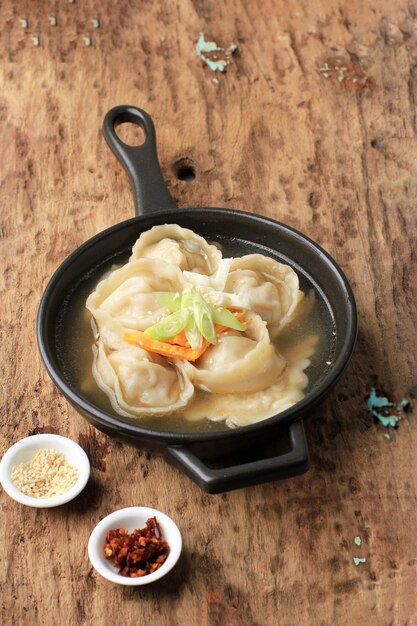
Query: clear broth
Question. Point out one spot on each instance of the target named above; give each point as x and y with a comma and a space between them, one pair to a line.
74, 338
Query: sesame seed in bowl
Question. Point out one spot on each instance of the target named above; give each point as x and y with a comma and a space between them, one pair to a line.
44, 470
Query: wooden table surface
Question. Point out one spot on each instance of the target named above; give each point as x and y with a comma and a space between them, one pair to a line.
314, 123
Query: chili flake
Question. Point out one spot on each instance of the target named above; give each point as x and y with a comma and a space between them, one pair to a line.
138, 553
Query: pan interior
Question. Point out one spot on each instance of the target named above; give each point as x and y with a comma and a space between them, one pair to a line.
74, 337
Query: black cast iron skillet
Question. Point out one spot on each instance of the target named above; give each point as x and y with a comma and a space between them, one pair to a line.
246, 233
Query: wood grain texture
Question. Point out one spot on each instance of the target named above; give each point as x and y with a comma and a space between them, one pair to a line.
275, 137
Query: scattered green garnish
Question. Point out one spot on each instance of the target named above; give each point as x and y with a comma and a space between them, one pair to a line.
191, 313
194, 337
226, 318
169, 326
203, 316
383, 409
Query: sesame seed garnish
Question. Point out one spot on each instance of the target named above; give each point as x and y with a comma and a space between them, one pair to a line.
47, 475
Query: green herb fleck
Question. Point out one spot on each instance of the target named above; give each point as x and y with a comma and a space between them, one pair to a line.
376, 402
204, 47
358, 540
215, 66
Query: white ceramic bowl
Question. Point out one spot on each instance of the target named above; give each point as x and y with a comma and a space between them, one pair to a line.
132, 518
25, 449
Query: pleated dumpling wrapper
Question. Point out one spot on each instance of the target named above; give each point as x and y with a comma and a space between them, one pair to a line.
139, 383
238, 362
271, 287
178, 246
127, 299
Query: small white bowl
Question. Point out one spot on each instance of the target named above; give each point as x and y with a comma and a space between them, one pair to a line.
132, 518
24, 450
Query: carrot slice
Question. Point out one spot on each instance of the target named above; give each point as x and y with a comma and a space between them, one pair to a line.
166, 349
180, 340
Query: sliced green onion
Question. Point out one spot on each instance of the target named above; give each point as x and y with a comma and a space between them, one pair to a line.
168, 327
226, 318
193, 314
192, 333
169, 300
187, 300
204, 318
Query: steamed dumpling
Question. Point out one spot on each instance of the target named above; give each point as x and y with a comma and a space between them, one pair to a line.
238, 362
242, 409
139, 383
240, 379
127, 298
272, 288
178, 246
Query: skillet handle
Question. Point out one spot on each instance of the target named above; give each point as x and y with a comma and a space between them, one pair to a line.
140, 162
292, 463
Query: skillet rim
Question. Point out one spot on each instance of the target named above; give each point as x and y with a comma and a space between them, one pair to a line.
310, 400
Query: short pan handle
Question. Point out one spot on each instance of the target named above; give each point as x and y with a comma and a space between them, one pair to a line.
140, 162
291, 463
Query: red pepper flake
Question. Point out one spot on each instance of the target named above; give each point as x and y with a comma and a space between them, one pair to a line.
138, 553
349, 75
